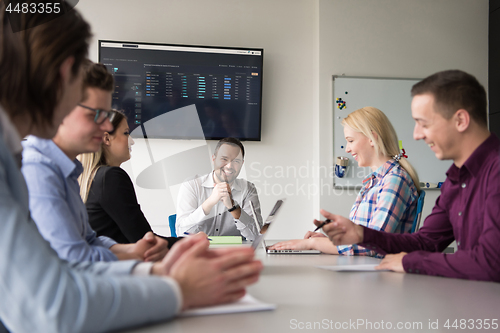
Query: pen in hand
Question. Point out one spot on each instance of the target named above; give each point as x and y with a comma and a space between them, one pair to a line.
323, 224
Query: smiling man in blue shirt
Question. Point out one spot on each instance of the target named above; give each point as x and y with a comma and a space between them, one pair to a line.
51, 171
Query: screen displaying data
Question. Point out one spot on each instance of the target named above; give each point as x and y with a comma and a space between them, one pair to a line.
151, 80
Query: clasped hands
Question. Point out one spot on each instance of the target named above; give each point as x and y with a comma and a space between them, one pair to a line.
221, 192
208, 277
148, 248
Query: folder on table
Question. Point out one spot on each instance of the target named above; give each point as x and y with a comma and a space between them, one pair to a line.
225, 239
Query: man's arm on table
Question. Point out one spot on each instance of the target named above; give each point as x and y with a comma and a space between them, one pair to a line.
481, 262
208, 277
478, 263
62, 299
87, 301
55, 219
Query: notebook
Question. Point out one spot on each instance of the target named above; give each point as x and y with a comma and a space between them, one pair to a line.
260, 238
246, 304
225, 240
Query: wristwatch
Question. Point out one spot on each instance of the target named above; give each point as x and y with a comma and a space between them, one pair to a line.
236, 206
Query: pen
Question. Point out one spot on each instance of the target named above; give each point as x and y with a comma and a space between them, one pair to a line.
323, 224
187, 233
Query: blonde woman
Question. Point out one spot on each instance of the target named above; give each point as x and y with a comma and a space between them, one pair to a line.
388, 199
108, 192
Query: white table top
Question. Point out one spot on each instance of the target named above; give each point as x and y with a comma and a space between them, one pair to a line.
307, 295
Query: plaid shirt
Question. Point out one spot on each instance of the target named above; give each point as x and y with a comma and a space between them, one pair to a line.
387, 201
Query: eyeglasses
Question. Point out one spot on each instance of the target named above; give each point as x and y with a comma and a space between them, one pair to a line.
101, 115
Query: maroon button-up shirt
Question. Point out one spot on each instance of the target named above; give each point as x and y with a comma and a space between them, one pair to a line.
468, 211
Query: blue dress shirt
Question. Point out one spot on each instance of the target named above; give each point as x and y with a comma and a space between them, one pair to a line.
56, 205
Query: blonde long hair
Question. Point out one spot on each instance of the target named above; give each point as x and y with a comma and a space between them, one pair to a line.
370, 120
93, 161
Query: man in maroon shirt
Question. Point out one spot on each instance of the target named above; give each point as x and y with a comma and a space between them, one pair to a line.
449, 109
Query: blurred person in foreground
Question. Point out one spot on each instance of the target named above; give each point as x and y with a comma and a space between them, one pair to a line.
41, 78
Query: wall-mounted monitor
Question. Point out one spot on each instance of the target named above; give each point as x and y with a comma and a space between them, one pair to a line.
151, 80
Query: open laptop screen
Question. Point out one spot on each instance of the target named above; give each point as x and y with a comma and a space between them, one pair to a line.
267, 223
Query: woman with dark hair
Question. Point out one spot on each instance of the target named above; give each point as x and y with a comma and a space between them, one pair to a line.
107, 190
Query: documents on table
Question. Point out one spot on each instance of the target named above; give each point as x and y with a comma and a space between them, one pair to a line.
225, 239
246, 304
354, 268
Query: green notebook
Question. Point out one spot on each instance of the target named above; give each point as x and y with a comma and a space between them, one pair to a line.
225, 239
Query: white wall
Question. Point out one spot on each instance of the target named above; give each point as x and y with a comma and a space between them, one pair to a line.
395, 38
305, 43
287, 32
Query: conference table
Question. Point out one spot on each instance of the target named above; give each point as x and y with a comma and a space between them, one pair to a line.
309, 298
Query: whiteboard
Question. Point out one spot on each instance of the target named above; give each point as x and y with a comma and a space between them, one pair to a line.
393, 97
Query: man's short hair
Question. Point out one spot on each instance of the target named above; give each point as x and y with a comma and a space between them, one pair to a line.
30, 60
454, 90
230, 141
95, 75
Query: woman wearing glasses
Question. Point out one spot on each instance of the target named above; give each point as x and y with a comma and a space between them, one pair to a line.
107, 190
388, 199
51, 171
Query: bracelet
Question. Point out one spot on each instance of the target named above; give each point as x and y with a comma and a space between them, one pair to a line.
233, 208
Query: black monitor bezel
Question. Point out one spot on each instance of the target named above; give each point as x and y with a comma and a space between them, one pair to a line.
259, 138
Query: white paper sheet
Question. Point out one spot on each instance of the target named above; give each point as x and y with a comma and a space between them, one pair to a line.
246, 304
353, 268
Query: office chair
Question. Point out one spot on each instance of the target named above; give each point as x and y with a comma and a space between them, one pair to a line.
171, 224
420, 205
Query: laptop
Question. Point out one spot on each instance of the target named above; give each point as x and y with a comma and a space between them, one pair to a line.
265, 227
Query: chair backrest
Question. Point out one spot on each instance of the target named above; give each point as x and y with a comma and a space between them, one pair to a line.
420, 205
171, 223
